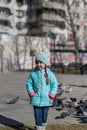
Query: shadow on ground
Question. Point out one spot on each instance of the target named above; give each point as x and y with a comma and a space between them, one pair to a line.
84, 86
10, 122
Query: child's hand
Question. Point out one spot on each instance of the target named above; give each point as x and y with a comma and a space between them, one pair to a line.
51, 96
31, 94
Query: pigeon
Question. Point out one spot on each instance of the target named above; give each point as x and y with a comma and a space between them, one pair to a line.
13, 101
73, 99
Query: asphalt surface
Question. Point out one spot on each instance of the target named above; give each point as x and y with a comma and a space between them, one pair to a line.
12, 86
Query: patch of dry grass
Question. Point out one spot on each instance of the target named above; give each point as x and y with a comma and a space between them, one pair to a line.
50, 127
67, 127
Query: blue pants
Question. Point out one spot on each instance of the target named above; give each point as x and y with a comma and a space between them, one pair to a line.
40, 114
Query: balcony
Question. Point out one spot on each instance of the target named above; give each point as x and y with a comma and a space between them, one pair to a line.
5, 1
53, 4
20, 13
5, 22
20, 25
5, 12
21, 2
48, 17
52, 17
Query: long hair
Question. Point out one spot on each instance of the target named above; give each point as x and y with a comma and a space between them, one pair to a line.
46, 76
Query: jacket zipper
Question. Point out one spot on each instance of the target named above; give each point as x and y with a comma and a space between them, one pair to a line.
40, 88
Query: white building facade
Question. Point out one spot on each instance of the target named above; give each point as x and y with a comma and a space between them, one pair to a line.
26, 26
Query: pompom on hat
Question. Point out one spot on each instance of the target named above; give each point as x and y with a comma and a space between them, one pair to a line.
43, 57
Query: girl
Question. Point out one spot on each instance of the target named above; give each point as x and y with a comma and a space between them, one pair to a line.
41, 86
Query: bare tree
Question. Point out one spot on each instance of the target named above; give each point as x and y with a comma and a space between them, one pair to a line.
70, 22
15, 40
1, 57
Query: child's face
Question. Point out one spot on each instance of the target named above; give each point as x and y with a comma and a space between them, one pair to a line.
40, 65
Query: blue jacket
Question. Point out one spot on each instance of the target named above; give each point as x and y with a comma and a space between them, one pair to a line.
38, 90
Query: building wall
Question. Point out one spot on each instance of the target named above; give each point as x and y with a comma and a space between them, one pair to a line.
15, 15
25, 26
78, 9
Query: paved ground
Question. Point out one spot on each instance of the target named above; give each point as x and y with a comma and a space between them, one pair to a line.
12, 84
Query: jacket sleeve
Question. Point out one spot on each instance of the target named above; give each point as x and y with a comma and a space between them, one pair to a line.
29, 86
53, 86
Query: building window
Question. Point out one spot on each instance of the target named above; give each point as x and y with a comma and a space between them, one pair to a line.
8, 1
21, 2
85, 28
20, 25
61, 13
85, 16
5, 1
75, 15
76, 4
62, 2
85, 4
5, 23
85, 40
5, 11
20, 13
76, 27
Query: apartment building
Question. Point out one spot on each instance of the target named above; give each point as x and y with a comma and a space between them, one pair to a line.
32, 17
45, 16
37, 18
13, 16
78, 10
51, 15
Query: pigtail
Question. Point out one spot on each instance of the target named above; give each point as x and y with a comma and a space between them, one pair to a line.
46, 76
